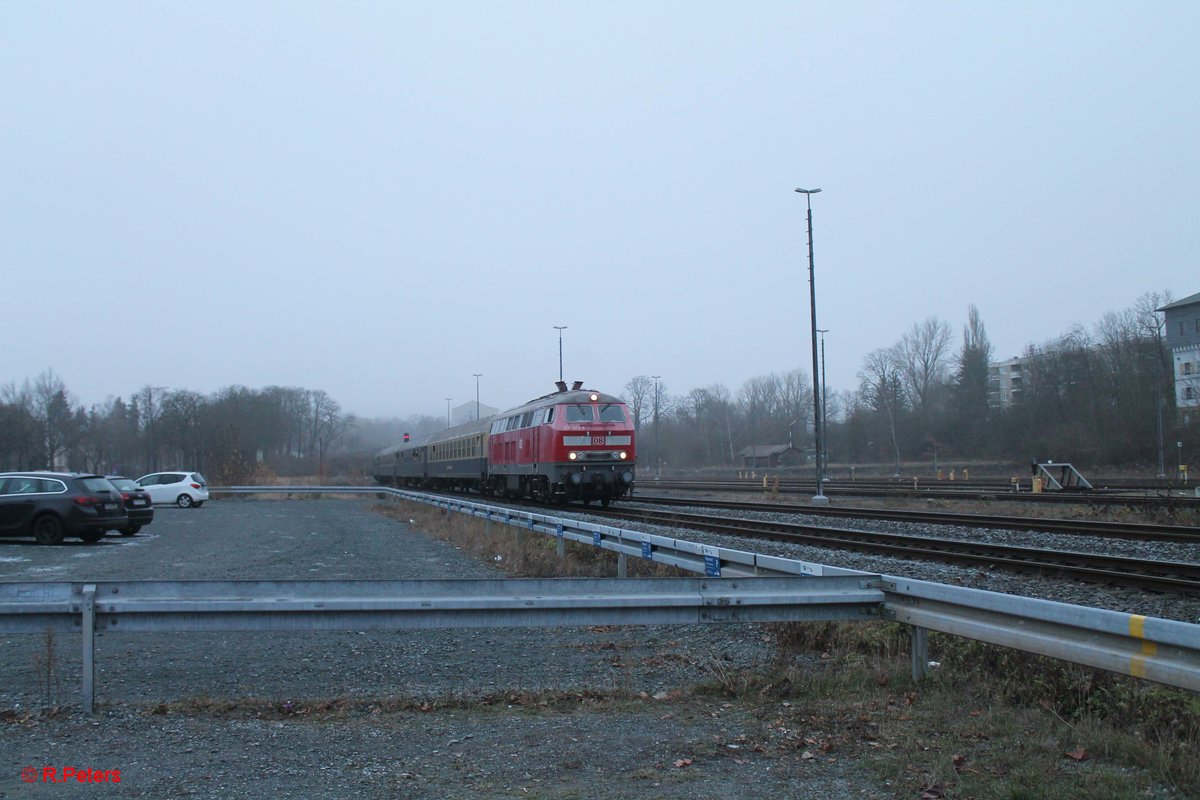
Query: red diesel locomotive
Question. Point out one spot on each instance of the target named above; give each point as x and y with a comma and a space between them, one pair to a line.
574, 444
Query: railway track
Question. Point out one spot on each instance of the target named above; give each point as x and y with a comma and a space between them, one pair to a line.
1180, 577
1117, 530
938, 490
988, 484
1162, 576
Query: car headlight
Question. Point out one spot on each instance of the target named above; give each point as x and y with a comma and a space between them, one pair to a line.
572, 455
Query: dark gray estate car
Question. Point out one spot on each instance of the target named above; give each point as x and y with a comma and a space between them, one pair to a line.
50, 506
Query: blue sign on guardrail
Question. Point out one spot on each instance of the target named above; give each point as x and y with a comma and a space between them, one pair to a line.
647, 551
596, 538
712, 561
558, 530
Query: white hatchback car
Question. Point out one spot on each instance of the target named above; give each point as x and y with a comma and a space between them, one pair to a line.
184, 489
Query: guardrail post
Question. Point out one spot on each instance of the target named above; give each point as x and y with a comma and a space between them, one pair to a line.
919, 652
88, 630
621, 566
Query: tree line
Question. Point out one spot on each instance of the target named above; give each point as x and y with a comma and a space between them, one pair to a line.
1099, 398
232, 434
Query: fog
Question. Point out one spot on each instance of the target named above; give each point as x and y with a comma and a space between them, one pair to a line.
382, 200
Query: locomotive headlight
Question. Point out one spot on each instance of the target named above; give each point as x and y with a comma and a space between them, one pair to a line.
594, 397
622, 455
572, 455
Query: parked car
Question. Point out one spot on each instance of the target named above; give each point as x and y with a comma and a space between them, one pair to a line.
138, 505
184, 489
49, 506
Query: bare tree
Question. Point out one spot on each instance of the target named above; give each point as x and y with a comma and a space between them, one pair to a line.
638, 395
328, 424
923, 355
147, 407
180, 424
19, 447
881, 390
52, 408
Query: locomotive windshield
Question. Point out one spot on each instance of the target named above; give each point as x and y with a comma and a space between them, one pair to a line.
579, 414
611, 413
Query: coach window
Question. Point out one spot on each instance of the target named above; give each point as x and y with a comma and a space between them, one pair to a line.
579, 414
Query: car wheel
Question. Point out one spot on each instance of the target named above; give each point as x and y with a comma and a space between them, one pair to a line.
131, 530
48, 529
184, 501
91, 537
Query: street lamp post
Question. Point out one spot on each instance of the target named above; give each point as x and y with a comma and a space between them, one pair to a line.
560, 329
819, 499
824, 410
447, 412
477, 375
657, 452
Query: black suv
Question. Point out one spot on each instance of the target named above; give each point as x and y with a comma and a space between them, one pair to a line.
50, 506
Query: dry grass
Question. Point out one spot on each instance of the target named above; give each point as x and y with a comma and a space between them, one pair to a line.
990, 723
520, 553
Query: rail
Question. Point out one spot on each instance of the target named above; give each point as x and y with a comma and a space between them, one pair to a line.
1164, 651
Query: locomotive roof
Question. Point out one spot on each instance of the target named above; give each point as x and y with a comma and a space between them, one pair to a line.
569, 396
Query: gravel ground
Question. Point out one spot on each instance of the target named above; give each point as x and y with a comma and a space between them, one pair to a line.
655, 745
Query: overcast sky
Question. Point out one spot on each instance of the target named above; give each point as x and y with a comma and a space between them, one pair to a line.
381, 199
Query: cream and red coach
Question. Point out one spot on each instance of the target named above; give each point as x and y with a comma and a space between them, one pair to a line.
574, 444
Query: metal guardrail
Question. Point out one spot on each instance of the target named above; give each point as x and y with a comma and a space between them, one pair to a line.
187, 606
1164, 651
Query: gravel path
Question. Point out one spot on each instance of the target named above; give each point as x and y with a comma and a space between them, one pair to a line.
655, 745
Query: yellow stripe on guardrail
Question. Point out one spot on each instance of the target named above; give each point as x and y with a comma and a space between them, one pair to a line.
1137, 629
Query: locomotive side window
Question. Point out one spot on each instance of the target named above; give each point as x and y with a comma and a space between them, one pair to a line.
579, 414
526, 418
611, 413
549, 415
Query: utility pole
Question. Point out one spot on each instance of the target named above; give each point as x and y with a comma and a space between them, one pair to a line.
824, 409
657, 452
819, 499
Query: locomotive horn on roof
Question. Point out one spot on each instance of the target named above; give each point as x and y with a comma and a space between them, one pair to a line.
576, 386
562, 386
